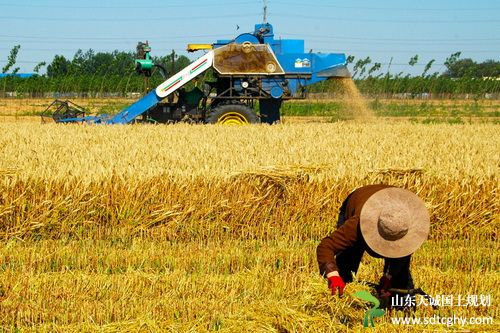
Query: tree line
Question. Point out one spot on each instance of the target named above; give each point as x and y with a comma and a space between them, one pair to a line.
91, 73
108, 63
456, 68
461, 77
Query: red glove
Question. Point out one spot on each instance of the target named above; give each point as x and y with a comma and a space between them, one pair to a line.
336, 283
384, 285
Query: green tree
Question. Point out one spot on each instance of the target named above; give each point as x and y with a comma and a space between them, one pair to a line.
413, 60
428, 67
78, 64
463, 68
58, 67
37, 68
488, 68
450, 63
102, 63
360, 66
123, 63
376, 66
11, 60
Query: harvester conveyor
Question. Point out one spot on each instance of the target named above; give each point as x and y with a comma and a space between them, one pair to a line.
163, 90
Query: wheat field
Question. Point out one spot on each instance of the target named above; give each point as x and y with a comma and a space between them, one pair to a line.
191, 228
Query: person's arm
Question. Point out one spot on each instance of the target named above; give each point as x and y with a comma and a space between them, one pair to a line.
341, 239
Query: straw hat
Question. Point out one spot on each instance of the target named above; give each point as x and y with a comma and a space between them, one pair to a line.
394, 222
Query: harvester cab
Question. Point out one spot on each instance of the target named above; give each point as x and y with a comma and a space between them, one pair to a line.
252, 75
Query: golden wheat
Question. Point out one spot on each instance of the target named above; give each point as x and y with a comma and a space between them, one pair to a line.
349, 150
202, 228
232, 286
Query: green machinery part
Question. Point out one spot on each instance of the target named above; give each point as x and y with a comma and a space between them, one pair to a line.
144, 63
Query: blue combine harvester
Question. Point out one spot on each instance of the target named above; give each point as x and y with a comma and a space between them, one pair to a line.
253, 67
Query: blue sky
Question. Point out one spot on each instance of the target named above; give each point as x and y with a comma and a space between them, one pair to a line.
396, 29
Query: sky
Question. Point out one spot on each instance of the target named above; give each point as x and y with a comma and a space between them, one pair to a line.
389, 31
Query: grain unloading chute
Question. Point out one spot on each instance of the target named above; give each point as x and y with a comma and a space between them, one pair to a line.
252, 68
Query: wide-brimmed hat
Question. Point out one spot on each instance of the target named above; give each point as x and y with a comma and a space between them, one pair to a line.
394, 222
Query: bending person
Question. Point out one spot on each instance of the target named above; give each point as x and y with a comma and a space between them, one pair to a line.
385, 221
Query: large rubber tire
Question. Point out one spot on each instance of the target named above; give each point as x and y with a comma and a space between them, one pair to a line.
232, 114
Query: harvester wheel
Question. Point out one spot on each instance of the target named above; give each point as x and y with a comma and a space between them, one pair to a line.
233, 114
